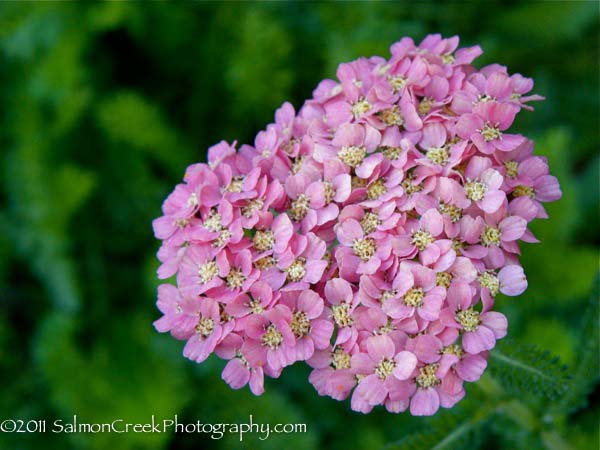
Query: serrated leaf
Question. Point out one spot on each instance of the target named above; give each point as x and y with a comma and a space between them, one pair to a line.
586, 372
524, 370
454, 432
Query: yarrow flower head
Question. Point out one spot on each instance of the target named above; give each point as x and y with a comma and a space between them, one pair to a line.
369, 234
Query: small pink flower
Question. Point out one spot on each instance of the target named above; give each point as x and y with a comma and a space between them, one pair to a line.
435, 386
178, 317
483, 184
272, 338
242, 369
383, 368
415, 292
485, 126
208, 332
311, 331
420, 238
480, 330
366, 252
332, 375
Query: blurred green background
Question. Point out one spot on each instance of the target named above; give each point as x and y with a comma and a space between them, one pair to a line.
103, 105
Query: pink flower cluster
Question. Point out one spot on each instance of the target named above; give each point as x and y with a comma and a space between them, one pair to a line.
368, 234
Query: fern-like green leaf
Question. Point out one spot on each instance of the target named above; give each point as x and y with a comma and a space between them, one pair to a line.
449, 430
586, 372
523, 369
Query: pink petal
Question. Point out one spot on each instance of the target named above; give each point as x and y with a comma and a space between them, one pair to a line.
321, 331
478, 341
236, 374
471, 367
338, 290
512, 280
311, 303
379, 347
425, 402
427, 348
496, 322
492, 201
405, 365
509, 142
512, 228
371, 389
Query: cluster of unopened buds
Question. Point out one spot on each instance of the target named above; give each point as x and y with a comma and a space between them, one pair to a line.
367, 235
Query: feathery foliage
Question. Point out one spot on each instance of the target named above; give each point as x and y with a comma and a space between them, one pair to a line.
524, 369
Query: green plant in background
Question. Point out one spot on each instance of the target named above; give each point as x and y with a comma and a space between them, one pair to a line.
104, 105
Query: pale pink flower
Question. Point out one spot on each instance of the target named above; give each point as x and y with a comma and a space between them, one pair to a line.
310, 329
485, 126
415, 291
208, 331
271, 337
383, 369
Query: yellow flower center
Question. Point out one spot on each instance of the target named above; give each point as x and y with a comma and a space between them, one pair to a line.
376, 189
427, 377
364, 248
251, 206
352, 155
296, 271
205, 327
299, 208
397, 82
340, 359
300, 324
453, 211
391, 116
414, 297
425, 106
263, 240
490, 133
265, 263
475, 190
437, 155
255, 306
409, 187
421, 239
328, 192
512, 168
386, 295
272, 337
208, 271
297, 164
360, 107
490, 280
391, 153
523, 191
213, 221
341, 315
224, 236
468, 318
236, 184
448, 58
370, 222
385, 368
491, 236
235, 279
453, 349
443, 279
